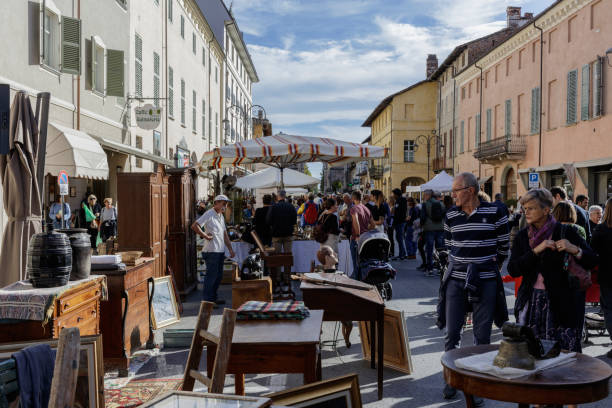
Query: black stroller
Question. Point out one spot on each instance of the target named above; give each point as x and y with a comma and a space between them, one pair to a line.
373, 256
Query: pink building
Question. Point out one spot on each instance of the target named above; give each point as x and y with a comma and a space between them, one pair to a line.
502, 134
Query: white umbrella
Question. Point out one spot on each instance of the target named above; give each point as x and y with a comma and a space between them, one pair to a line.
271, 177
442, 182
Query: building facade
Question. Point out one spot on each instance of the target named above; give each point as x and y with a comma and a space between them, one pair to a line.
396, 123
543, 109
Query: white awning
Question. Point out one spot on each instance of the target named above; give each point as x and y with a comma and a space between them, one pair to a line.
134, 151
75, 152
593, 163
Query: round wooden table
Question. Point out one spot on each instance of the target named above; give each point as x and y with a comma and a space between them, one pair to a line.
582, 381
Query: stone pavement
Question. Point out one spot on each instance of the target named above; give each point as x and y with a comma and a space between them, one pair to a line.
413, 293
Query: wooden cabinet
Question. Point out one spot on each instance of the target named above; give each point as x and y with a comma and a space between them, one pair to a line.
78, 306
142, 215
181, 239
125, 323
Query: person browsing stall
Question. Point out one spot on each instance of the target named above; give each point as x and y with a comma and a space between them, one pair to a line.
211, 227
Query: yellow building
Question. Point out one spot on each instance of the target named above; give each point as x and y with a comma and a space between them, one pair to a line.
397, 122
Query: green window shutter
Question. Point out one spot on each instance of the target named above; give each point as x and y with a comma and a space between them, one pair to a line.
183, 27
203, 56
477, 130
138, 65
71, 46
462, 136
170, 92
170, 9
156, 79
488, 124
572, 79
597, 84
533, 111
93, 63
508, 117
115, 85
537, 108
584, 93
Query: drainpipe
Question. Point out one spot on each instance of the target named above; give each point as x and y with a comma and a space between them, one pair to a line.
452, 149
165, 54
480, 124
439, 118
78, 123
391, 150
541, 80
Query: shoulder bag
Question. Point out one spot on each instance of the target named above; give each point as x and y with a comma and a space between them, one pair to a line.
577, 275
318, 232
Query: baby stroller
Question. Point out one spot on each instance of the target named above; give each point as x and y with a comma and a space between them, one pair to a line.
373, 256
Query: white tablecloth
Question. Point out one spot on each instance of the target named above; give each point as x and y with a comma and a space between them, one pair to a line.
303, 253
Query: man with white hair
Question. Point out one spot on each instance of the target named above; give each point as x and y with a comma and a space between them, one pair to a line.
595, 213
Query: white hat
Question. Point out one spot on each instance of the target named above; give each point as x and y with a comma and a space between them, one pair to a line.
221, 197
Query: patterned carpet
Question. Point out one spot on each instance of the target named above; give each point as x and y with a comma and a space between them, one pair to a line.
137, 392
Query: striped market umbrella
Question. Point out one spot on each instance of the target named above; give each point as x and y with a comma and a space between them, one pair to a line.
282, 150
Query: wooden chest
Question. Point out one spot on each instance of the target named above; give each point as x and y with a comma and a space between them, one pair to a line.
78, 307
125, 323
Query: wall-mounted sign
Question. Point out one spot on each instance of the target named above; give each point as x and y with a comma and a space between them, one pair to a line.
148, 116
182, 157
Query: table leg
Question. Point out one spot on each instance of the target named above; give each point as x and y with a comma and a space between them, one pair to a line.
319, 366
381, 354
151, 340
239, 384
469, 400
310, 365
523, 405
373, 344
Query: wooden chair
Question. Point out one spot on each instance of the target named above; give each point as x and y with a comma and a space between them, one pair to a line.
202, 337
65, 371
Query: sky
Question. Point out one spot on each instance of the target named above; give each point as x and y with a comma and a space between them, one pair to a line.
324, 66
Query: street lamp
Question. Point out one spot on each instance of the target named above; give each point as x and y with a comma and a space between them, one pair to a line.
245, 114
426, 139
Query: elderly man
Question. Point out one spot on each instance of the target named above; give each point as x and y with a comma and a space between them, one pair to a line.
595, 213
211, 227
560, 194
476, 234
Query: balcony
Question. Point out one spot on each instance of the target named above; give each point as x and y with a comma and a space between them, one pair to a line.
442, 163
376, 172
511, 147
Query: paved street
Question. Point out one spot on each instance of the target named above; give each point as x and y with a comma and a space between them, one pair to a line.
414, 294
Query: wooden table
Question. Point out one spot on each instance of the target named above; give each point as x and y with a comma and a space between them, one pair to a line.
126, 322
348, 304
79, 306
273, 346
582, 381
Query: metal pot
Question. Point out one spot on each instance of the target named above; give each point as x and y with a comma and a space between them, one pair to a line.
81, 252
49, 259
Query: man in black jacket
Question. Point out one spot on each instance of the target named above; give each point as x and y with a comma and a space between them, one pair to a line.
399, 222
582, 217
282, 217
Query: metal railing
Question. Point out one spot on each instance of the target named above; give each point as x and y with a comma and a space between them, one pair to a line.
509, 147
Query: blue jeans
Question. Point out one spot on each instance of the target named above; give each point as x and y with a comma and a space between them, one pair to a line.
353, 248
483, 312
411, 246
400, 237
214, 274
430, 238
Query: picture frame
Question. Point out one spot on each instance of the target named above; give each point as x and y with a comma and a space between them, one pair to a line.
73, 191
164, 307
174, 399
397, 348
90, 380
339, 392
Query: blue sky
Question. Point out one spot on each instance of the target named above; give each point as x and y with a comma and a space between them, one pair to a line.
325, 65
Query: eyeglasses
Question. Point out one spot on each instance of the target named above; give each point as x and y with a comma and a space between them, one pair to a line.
456, 190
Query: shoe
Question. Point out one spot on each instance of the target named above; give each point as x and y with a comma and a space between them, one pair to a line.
478, 402
422, 267
609, 354
219, 302
449, 392
429, 272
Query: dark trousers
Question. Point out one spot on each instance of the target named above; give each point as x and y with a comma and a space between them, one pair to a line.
400, 236
421, 248
391, 240
483, 312
214, 274
605, 298
431, 238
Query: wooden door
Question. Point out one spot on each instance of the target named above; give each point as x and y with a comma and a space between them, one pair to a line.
155, 227
163, 227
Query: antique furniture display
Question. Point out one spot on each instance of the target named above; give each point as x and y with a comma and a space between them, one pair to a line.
42, 313
336, 392
142, 217
273, 346
255, 289
181, 253
581, 381
126, 323
349, 304
281, 282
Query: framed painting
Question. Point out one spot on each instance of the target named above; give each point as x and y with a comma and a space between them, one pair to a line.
339, 392
175, 399
90, 380
397, 349
164, 306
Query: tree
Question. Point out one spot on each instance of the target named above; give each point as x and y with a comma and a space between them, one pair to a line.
307, 170
337, 185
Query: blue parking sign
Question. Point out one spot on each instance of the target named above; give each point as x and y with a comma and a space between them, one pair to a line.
534, 180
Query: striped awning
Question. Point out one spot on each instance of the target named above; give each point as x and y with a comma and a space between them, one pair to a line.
282, 150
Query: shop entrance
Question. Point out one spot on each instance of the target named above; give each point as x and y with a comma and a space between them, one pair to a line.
509, 188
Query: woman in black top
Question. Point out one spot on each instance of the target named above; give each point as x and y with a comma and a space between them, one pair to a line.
259, 221
379, 213
601, 241
329, 219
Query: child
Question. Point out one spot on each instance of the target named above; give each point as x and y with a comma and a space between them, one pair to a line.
328, 258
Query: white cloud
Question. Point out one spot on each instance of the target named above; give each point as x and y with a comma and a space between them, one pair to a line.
298, 118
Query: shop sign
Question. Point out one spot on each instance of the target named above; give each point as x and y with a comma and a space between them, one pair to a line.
148, 116
534, 180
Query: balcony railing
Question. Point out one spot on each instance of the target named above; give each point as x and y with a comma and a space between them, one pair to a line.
442, 163
376, 172
512, 147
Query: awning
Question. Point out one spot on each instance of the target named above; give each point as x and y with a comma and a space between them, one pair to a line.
593, 163
484, 180
549, 167
134, 151
75, 152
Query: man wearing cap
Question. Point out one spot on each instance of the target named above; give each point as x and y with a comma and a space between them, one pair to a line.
211, 227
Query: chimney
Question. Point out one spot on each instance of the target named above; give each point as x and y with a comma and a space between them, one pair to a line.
528, 16
432, 64
513, 16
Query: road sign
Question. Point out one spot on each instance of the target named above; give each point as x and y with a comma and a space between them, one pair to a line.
62, 180
534, 180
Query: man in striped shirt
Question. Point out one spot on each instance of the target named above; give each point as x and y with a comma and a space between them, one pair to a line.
476, 235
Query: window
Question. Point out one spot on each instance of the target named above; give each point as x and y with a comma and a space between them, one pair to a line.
183, 102
216, 74
508, 61
408, 151
51, 40
497, 66
463, 93
463, 59
534, 46
193, 112
486, 79
217, 128
597, 87
462, 136
115, 84
584, 92
203, 56
203, 119
508, 118
170, 154
470, 90
170, 93
535, 110
183, 26
520, 58
170, 9
572, 79
139, 146
138, 65
98, 65
488, 134
477, 131
156, 80
477, 85
193, 43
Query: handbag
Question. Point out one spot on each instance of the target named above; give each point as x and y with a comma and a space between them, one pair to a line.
576, 273
318, 233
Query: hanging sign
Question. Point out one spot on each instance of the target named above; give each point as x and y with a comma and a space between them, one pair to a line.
62, 181
148, 116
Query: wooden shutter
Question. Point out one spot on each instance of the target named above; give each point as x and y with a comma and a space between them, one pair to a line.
597, 88
138, 65
572, 79
115, 83
170, 9
477, 131
488, 124
584, 92
535, 110
71, 46
508, 121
